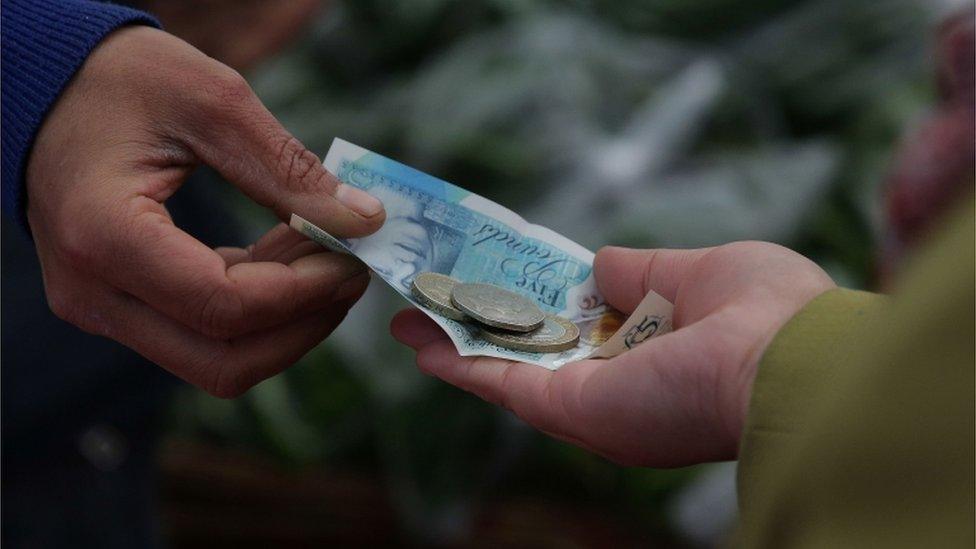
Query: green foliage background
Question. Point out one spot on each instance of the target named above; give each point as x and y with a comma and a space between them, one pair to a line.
647, 123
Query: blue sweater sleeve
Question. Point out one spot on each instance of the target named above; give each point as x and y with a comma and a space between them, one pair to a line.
44, 42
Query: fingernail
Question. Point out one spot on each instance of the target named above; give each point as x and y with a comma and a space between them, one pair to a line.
358, 200
353, 287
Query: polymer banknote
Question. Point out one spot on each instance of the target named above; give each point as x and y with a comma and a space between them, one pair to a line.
434, 226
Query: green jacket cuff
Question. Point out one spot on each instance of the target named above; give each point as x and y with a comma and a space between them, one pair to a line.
802, 357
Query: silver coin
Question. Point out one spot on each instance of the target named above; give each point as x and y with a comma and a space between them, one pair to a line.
433, 290
556, 334
497, 307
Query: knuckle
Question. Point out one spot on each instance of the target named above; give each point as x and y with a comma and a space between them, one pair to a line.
221, 315
79, 313
565, 395
63, 305
505, 389
229, 87
300, 169
227, 388
649, 269
77, 249
226, 95
227, 379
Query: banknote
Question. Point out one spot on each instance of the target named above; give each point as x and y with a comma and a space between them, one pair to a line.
432, 225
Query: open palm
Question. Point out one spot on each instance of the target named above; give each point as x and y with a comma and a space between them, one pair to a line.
675, 400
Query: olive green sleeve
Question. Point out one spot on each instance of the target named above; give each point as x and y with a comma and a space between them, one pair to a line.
802, 360
862, 423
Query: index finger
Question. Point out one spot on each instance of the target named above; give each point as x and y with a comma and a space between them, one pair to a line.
250, 148
181, 277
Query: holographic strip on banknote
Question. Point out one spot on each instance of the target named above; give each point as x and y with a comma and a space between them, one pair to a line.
432, 225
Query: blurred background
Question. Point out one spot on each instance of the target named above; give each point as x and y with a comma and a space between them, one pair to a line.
647, 123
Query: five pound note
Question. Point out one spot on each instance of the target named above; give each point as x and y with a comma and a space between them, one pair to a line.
434, 226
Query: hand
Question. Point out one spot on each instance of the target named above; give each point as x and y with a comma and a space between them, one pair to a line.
675, 400
143, 111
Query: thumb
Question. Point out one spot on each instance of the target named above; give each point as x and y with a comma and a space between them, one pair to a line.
249, 147
625, 275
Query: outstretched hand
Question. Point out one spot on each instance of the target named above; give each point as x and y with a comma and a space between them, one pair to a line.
676, 399
144, 110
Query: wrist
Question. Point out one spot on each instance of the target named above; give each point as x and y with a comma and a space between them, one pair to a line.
767, 327
33, 83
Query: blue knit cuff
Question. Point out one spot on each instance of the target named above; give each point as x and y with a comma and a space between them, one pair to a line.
44, 43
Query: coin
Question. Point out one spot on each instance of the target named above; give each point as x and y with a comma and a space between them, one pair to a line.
497, 307
556, 334
433, 290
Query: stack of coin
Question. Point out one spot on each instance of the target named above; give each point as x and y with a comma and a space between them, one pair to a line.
505, 318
